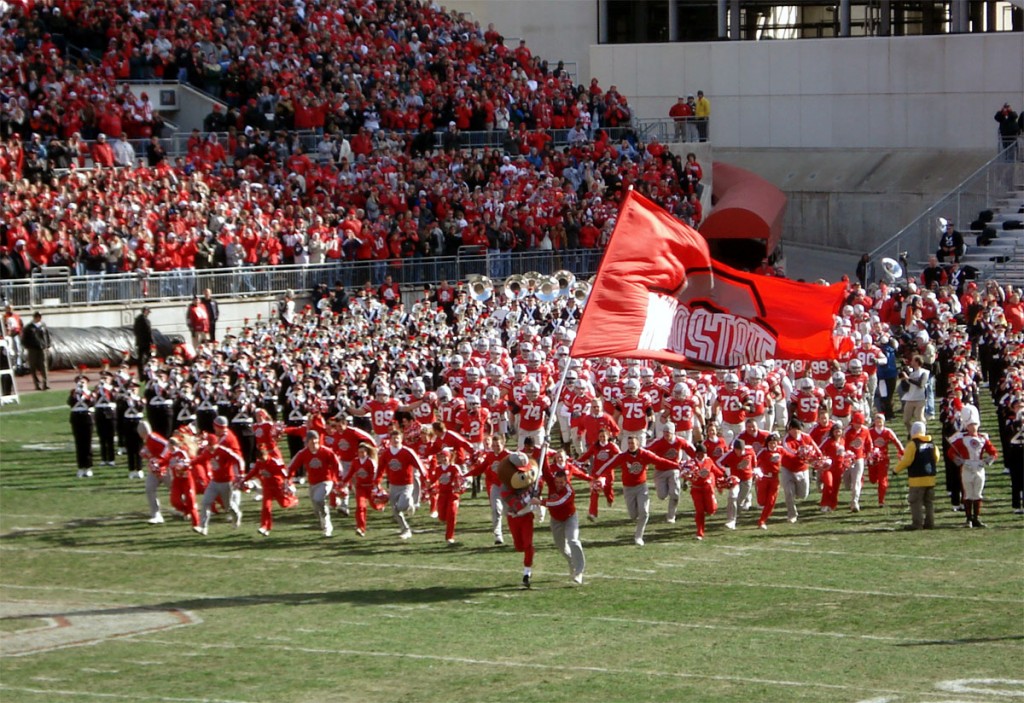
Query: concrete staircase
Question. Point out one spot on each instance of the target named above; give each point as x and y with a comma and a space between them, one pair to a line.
1003, 259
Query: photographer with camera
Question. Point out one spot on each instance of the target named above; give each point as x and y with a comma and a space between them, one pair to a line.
913, 386
1009, 128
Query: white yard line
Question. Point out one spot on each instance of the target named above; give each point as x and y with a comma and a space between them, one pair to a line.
467, 569
841, 553
558, 667
30, 411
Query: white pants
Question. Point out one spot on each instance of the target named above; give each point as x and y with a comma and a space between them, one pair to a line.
852, 478
536, 435
153, 483
737, 496
638, 503
795, 486
318, 496
566, 534
227, 493
497, 510
668, 485
401, 500
973, 480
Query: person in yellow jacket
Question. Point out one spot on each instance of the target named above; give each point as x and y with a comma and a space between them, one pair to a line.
920, 460
703, 112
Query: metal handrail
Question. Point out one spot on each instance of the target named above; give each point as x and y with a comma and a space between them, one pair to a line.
251, 281
908, 243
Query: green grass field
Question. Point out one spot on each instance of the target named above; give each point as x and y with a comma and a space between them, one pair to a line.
95, 604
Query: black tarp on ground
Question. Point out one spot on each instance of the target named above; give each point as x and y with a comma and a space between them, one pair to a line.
89, 346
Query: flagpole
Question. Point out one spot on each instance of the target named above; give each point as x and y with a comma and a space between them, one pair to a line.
551, 421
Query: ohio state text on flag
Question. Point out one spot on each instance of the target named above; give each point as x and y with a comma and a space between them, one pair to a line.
658, 295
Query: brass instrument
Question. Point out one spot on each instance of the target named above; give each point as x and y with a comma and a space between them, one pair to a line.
565, 280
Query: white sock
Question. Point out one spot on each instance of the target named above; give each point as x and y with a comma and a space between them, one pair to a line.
527, 571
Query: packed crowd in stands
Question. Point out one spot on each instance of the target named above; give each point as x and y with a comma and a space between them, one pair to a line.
375, 79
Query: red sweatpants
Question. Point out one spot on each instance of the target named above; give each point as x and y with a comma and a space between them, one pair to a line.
767, 494
271, 493
830, 480
183, 498
522, 536
704, 503
448, 511
609, 495
879, 473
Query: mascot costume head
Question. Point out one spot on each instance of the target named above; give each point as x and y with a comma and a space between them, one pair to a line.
518, 472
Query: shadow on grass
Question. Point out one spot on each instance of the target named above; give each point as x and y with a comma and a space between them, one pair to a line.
961, 641
355, 597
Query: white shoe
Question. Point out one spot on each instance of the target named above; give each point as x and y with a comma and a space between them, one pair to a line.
670, 520
360, 532
405, 534
88, 473
199, 530
498, 539
639, 541
792, 519
263, 531
433, 514
592, 518
157, 519
854, 507
700, 538
762, 526
578, 579
451, 541
238, 520
731, 525
328, 531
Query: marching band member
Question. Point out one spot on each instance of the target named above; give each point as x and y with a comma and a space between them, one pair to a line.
81, 401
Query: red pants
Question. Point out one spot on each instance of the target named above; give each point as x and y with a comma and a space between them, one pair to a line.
830, 480
879, 473
364, 496
767, 493
448, 511
271, 493
704, 503
609, 495
183, 498
522, 536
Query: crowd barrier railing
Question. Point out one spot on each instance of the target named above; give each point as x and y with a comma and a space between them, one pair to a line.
60, 287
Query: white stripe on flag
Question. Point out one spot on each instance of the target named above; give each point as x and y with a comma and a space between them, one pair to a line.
661, 311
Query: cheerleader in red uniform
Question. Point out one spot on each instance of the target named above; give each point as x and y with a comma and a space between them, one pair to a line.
598, 454
183, 489
275, 484
769, 461
702, 474
362, 472
878, 456
831, 471
448, 481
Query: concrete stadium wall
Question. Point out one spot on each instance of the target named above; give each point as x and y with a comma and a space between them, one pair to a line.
855, 199
907, 92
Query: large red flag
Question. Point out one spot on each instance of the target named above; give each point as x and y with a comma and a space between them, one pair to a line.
658, 295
